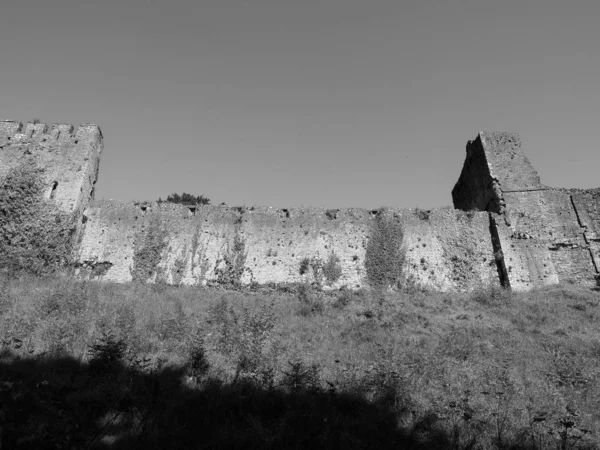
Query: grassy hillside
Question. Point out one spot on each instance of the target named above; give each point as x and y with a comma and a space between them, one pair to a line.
96, 365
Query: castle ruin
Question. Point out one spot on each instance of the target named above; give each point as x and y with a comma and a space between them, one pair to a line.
507, 229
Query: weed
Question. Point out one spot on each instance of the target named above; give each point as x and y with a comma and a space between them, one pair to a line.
311, 302
343, 299
491, 295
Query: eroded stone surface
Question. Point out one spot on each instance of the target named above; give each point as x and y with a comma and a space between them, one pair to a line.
507, 228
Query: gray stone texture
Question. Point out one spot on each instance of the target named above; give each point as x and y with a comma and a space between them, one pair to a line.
507, 227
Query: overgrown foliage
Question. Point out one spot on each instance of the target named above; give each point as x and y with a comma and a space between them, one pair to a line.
187, 199
233, 262
148, 248
332, 269
384, 258
99, 365
35, 235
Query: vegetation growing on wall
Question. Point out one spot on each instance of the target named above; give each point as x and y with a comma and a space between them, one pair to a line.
187, 199
148, 248
332, 269
201, 262
34, 235
234, 262
384, 258
178, 268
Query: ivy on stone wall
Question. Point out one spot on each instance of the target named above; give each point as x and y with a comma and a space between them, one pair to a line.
384, 258
234, 262
35, 235
148, 249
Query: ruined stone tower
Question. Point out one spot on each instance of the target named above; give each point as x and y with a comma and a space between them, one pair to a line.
546, 235
69, 156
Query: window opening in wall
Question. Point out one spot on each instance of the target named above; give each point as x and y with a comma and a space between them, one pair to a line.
53, 191
192, 210
143, 208
332, 214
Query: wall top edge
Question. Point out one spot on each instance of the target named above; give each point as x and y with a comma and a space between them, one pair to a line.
283, 213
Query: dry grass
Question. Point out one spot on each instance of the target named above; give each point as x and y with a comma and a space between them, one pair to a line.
484, 370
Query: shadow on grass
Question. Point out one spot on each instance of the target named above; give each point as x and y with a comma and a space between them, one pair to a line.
60, 403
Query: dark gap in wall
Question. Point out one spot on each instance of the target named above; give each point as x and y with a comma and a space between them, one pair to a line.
285, 213
53, 191
584, 228
332, 214
192, 210
498, 254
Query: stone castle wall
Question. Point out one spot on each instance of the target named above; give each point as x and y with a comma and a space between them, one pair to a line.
507, 228
445, 249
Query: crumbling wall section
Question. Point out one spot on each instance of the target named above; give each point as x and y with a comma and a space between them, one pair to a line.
508, 164
476, 188
495, 164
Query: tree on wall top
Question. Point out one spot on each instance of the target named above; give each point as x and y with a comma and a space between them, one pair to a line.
187, 199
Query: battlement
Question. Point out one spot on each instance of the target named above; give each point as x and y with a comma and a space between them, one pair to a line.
70, 157
34, 132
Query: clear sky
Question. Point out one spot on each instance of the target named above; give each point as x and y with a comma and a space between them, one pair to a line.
331, 103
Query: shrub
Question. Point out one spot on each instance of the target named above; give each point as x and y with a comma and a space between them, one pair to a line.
35, 235
384, 258
148, 248
310, 304
344, 298
423, 214
234, 263
107, 353
187, 199
332, 269
197, 362
299, 377
304, 266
